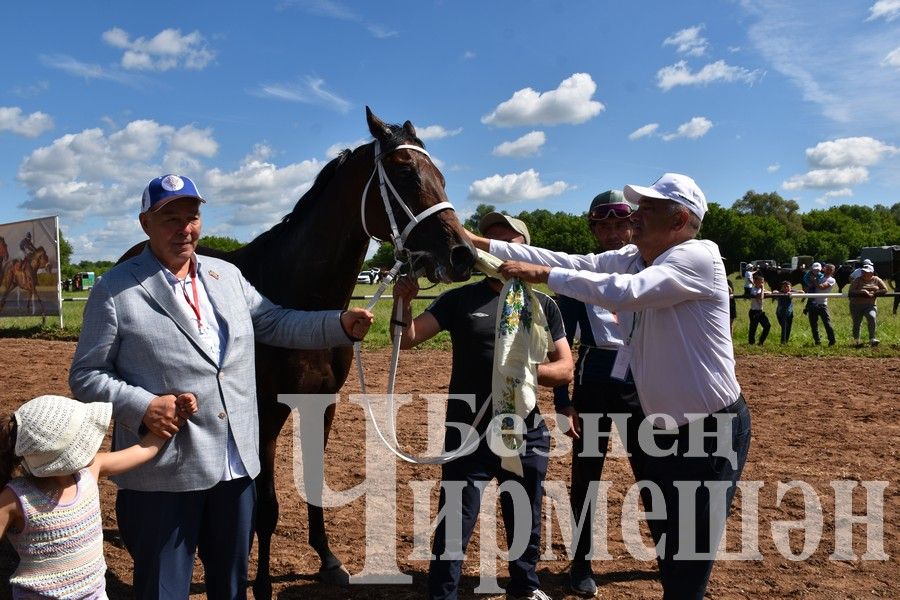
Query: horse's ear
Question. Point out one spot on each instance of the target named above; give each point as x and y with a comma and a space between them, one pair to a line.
409, 129
379, 130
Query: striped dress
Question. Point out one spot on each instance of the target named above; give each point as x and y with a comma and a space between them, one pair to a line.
61, 545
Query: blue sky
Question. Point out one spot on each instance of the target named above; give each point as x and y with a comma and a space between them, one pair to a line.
523, 104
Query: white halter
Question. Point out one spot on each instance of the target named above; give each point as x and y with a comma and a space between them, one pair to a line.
398, 238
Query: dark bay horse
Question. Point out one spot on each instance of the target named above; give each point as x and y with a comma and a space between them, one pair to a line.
22, 273
310, 261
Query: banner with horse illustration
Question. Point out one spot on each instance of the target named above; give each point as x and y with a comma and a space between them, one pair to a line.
29, 268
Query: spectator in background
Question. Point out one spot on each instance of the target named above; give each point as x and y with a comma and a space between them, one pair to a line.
859, 270
820, 283
748, 279
757, 314
864, 292
894, 287
784, 312
732, 305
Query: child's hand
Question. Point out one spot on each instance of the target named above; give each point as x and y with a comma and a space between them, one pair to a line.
186, 405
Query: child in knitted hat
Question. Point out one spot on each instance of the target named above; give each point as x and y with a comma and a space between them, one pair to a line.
51, 512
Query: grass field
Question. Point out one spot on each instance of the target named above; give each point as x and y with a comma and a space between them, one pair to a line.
801, 344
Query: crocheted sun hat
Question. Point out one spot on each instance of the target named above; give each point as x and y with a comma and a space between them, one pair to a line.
58, 435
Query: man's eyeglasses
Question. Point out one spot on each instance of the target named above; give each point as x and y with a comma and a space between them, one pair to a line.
619, 210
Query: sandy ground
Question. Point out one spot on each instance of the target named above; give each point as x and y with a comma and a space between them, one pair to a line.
814, 420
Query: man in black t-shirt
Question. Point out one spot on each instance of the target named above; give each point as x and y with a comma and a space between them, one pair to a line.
469, 313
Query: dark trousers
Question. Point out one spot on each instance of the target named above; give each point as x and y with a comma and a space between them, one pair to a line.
684, 577
162, 530
477, 469
594, 402
785, 319
816, 312
759, 317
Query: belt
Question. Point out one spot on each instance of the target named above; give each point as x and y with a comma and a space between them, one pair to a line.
736, 406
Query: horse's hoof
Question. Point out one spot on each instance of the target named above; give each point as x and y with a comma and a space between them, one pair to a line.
262, 590
336, 575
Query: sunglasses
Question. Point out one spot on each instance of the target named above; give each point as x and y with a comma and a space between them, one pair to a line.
619, 210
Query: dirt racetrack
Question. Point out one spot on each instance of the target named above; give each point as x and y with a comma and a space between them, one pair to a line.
814, 420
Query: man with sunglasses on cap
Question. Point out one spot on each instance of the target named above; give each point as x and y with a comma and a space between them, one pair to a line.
168, 322
674, 310
596, 394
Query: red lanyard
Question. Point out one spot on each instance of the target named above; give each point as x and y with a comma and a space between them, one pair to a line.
195, 305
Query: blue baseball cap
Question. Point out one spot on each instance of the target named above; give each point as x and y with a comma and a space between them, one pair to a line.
166, 188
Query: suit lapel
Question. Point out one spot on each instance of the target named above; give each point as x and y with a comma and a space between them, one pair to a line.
149, 274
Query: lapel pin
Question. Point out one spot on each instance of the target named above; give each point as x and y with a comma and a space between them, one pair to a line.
213, 274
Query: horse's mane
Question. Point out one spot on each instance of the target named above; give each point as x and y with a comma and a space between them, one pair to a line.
306, 202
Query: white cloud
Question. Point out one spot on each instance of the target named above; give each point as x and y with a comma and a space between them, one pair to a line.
843, 152
436, 132
680, 74
688, 41
91, 173
84, 70
773, 168
30, 126
840, 164
333, 150
168, 49
515, 187
469, 55
569, 103
312, 91
333, 9
892, 59
888, 9
693, 129
527, 145
828, 178
262, 191
646, 130
850, 87
841, 193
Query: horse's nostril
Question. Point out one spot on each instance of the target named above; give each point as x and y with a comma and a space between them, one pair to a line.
462, 257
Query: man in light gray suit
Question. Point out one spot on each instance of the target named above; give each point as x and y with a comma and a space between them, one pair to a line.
166, 323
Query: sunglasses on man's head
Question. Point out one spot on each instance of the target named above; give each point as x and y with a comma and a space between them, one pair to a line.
619, 210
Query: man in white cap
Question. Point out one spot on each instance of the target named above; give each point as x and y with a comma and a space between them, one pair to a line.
168, 322
819, 281
671, 295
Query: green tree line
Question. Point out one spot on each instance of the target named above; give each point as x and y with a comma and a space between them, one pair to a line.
756, 226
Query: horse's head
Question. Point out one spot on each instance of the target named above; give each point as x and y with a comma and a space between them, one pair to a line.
39, 259
405, 202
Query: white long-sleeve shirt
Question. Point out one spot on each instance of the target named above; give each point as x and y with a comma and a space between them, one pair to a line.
675, 311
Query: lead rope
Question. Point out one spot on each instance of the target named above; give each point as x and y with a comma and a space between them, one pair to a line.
468, 445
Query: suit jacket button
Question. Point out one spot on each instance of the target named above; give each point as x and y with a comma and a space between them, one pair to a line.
221, 415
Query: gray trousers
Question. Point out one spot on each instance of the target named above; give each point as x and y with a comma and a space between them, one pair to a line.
857, 312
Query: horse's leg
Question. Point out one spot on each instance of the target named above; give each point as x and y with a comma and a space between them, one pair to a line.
271, 419
332, 570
